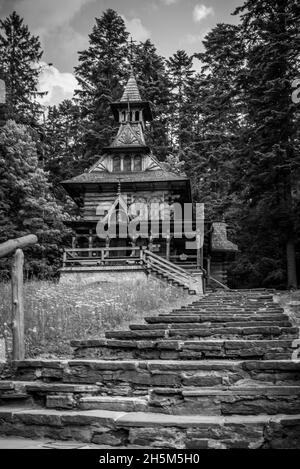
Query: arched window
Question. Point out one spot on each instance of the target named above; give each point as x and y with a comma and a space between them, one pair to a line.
138, 163
123, 116
117, 164
127, 164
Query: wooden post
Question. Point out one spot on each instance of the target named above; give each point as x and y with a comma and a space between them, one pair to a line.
90, 243
74, 242
168, 242
17, 305
198, 241
208, 268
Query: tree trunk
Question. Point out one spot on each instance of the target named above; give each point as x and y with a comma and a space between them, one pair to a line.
291, 263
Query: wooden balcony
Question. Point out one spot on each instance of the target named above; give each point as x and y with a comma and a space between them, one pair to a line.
103, 257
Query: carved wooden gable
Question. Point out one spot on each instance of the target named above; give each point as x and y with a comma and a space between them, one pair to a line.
129, 136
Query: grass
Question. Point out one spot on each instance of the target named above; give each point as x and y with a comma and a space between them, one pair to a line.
56, 314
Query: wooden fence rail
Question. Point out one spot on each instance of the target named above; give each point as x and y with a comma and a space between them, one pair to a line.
14, 247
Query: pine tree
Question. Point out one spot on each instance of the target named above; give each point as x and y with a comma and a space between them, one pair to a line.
101, 70
20, 53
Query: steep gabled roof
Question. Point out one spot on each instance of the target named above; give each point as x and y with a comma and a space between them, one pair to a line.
131, 91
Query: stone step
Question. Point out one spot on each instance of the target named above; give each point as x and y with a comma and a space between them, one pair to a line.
195, 318
226, 332
52, 395
153, 430
135, 377
197, 310
149, 327
222, 309
184, 349
234, 400
233, 299
116, 403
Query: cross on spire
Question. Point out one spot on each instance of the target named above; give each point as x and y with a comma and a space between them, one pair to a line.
131, 43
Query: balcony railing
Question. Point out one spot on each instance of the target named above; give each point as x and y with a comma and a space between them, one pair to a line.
102, 257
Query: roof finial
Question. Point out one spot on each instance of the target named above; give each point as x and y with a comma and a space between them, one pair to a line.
131, 44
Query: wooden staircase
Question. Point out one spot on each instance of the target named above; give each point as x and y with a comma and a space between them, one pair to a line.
222, 372
173, 274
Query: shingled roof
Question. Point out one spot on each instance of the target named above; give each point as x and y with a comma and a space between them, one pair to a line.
131, 91
105, 177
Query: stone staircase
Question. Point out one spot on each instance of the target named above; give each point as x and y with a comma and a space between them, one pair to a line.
220, 373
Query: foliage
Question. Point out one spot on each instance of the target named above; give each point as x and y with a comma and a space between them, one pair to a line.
26, 203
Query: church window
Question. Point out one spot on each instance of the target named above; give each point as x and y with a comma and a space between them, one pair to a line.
127, 164
138, 163
117, 164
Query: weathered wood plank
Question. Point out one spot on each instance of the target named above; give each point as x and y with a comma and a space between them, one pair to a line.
18, 305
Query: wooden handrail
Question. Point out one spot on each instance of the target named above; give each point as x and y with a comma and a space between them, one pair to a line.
103, 249
173, 271
9, 247
219, 283
162, 259
169, 269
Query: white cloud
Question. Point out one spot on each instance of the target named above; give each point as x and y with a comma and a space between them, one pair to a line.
59, 85
45, 16
169, 2
136, 28
197, 65
201, 12
192, 38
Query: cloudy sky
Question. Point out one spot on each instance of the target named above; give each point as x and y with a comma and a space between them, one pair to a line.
64, 25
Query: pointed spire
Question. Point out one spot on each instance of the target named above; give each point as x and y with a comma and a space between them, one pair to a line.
131, 91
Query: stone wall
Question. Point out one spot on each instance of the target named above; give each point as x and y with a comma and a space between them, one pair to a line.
131, 274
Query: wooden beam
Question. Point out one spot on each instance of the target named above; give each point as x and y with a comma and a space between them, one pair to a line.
9, 247
17, 305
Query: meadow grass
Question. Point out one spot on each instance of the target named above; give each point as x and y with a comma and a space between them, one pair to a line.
56, 314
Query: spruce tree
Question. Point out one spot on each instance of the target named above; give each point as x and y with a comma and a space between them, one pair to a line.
180, 70
101, 72
155, 87
270, 146
62, 143
20, 53
213, 109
